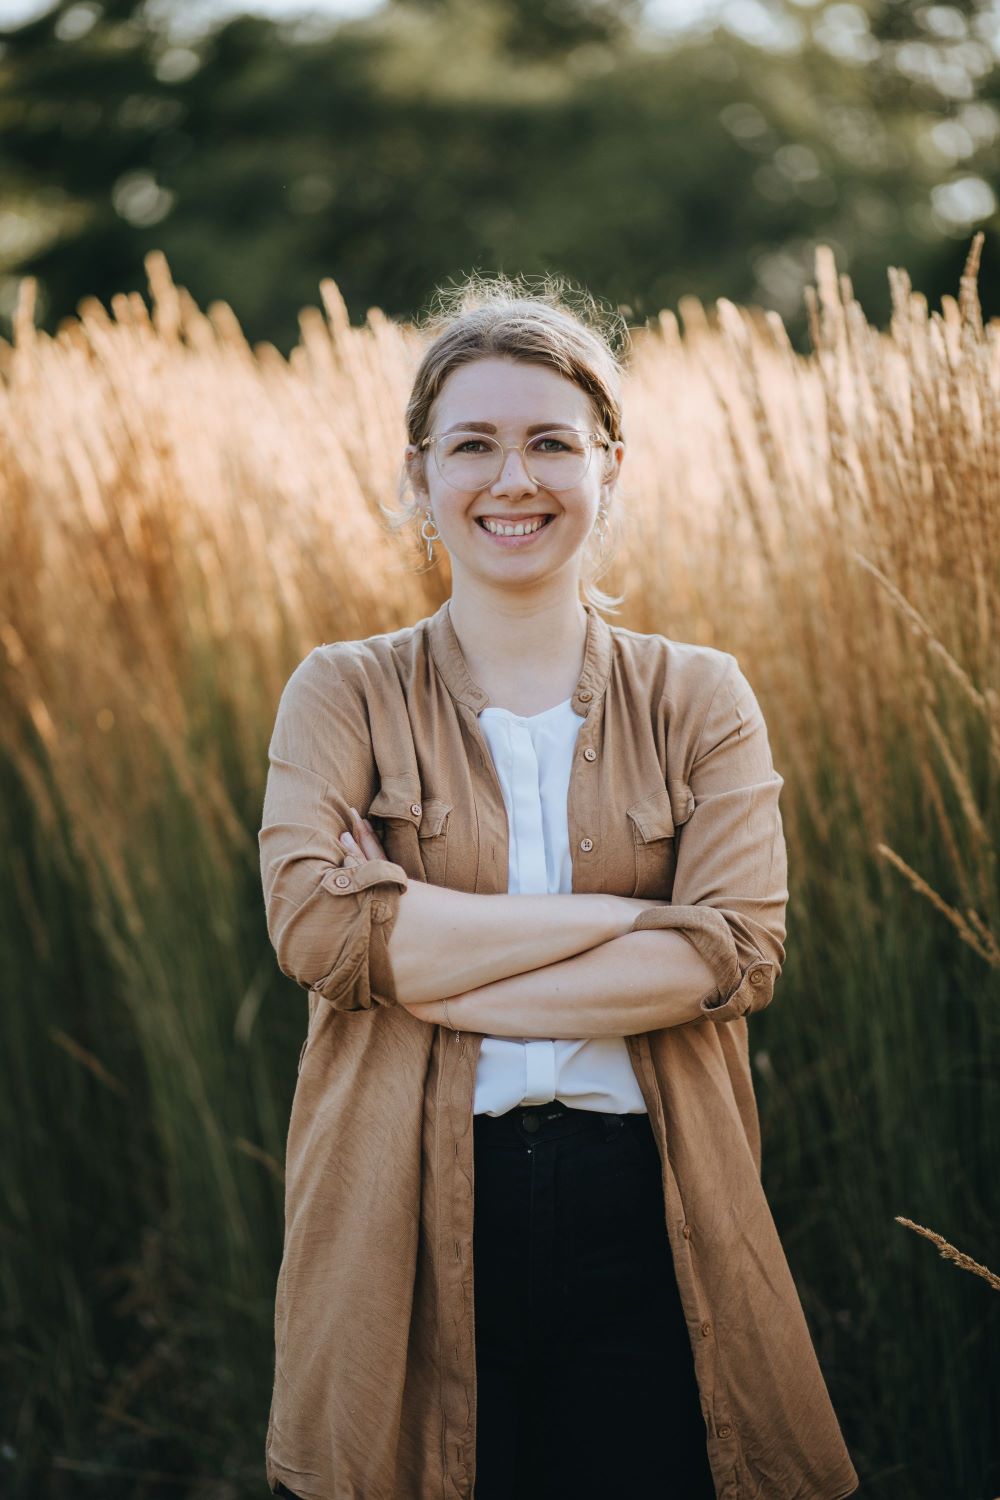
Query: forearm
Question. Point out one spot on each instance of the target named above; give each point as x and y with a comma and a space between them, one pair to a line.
642, 981
445, 942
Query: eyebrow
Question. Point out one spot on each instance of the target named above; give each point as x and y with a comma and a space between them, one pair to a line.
490, 427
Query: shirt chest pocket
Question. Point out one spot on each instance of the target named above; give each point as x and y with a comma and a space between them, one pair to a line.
414, 831
654, 821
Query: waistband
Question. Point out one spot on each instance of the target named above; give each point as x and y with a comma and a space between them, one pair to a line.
527, 1124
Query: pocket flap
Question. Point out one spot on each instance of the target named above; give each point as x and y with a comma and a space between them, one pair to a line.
395, 802
653, 816
399, 802
435, 815
681, 798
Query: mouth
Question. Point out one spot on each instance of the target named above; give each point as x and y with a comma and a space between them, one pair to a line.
513, 534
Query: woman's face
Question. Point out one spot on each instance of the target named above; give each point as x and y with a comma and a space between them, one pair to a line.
507, 397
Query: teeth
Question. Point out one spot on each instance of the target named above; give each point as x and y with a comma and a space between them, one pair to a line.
499, 528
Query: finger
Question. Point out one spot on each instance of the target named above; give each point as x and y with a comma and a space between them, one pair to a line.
361, 834
353, 848
368, 841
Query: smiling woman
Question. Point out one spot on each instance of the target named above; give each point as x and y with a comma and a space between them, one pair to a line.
527, 1250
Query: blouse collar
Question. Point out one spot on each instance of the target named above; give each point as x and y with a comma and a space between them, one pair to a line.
451, 664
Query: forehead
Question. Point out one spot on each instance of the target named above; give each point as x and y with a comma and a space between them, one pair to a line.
510, 394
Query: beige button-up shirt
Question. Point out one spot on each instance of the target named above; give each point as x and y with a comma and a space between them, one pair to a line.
672, 794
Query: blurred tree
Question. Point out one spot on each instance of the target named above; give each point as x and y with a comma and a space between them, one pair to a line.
434, 136
546, 28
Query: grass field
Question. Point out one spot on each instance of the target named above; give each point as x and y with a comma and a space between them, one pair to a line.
182, 517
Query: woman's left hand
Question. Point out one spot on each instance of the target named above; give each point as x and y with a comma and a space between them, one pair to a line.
362, 843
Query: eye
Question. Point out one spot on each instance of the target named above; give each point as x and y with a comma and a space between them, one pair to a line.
468, 445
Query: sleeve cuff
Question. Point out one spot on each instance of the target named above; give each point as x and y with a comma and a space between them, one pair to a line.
739, 990
379, 883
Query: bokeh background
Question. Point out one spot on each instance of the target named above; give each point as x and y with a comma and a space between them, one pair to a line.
219, 226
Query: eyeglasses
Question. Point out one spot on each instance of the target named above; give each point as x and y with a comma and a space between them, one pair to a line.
555, 460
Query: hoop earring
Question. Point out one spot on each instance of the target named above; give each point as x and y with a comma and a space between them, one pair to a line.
601, 524
428, 537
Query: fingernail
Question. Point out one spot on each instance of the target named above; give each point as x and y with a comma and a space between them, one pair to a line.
345, 838
355, 815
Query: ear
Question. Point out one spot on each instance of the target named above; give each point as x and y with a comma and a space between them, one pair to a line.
614, 457
415, 461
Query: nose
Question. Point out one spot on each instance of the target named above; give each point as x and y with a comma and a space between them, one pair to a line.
513, 478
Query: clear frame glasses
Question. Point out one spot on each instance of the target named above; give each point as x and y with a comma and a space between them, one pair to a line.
555, 460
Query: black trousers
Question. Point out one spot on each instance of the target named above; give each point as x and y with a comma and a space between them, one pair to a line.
585, 1378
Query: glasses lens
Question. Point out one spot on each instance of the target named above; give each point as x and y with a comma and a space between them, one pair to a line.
468, 460
556, 460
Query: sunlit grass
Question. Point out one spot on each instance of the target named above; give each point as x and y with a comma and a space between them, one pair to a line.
182, 517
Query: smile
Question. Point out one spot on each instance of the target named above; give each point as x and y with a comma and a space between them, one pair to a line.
513, 529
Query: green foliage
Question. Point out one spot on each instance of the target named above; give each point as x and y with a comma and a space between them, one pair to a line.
436, 137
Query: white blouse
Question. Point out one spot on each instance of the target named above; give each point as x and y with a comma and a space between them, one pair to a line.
533, 757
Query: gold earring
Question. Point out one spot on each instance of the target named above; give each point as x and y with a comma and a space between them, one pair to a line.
429, 537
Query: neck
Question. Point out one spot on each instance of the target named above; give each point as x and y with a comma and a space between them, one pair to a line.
525, 655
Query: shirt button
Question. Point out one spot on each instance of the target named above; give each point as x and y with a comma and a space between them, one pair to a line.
725, 1430
585, 695
586, 845
415, 809
687, 1231
530, 1122
756, 976
706, 1329
342, 880
590, 753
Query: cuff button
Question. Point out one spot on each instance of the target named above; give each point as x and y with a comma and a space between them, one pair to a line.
342, 880
415, 809
756, 976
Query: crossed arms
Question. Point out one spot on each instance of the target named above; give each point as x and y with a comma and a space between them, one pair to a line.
350, 924
563, 966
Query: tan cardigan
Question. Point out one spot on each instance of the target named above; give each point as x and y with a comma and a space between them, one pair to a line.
375, 1381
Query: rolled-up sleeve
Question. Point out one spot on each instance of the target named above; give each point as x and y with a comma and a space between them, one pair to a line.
329, 922
730, 882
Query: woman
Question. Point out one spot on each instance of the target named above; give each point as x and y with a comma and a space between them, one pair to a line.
527, 1250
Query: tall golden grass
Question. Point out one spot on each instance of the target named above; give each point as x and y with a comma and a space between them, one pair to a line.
182, 516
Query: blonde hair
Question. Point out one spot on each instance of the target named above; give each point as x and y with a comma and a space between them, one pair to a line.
548, 322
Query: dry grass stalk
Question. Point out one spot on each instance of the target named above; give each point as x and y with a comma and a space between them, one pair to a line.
986, 945
950, 1253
